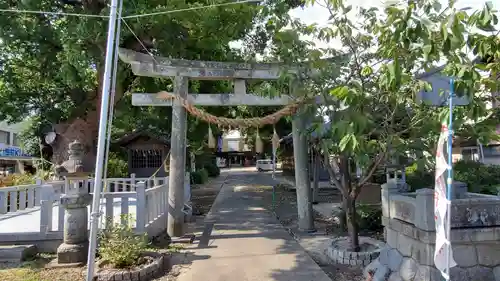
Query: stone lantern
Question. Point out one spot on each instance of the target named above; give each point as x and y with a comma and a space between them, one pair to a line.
74, 249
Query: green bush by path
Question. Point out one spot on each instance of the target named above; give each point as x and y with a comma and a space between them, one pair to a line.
120, 246
212, 170
478, 177
369, 217
199, 177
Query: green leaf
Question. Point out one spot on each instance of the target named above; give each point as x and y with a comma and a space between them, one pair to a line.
367, 71
340, 92
427, 49
345, 141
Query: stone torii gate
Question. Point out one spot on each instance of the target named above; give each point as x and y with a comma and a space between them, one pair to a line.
181, 71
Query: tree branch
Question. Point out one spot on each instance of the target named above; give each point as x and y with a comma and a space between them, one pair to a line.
331, 171
372, 170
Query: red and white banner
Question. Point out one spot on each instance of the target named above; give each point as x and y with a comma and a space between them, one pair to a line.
441, 206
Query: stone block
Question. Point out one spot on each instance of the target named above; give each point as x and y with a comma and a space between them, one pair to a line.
426, 236
430, 273
72, 253
392, 238
337, 253
118, 276
465, 255
459, 274
381, 274
373, 267
395, 259
423, 253
409, 230
408, 269
481, 273
482, 234
394, 277
17, 253
496, 273
460, 235
405, 244
374, 255
134, 276
459, 190
488, 254
384, 255
424, 218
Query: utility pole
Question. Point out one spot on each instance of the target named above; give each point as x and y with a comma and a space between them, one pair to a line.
108, 68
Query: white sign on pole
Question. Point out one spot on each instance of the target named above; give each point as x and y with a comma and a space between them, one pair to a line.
441, 206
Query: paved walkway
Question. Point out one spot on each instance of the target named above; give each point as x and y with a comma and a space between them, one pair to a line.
242, 241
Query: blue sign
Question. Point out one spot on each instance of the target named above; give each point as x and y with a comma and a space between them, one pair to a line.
12, 151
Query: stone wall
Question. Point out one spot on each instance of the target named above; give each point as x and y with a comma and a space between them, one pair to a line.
410, 238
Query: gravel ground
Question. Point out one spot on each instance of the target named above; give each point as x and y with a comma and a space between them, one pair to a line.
315, 244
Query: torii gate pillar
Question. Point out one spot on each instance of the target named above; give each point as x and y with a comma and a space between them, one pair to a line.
175, 223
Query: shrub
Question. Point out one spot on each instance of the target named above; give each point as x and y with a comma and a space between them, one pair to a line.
199, 177
17, 179
212, 170
419, 179
477, 176
120, 246
117, 167
369, 217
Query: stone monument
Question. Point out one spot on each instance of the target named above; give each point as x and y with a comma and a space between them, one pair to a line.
409, 229
74, 249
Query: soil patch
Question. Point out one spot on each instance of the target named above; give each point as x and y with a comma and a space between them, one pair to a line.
285, 209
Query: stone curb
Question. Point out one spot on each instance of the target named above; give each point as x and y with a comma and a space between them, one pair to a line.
342, 256
145, 273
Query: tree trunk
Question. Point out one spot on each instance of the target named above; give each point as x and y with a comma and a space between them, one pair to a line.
82, 129
352, 223
343, 217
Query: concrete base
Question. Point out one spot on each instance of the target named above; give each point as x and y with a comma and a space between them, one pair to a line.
55, 264
72, 253
17, 253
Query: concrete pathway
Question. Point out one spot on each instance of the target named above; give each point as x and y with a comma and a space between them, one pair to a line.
242, 241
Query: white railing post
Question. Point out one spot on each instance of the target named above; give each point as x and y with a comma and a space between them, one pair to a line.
3, 201
141, 211
132, 182
46, 205
164, 196
38, 192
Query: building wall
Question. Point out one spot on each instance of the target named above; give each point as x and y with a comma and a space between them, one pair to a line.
8, 133
144, 171
10, 148
491, 154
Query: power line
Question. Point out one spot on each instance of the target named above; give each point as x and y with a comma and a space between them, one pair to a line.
191, 9
17, 11
51, 13
139, 40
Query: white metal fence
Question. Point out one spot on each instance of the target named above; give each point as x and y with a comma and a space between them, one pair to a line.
145, 200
